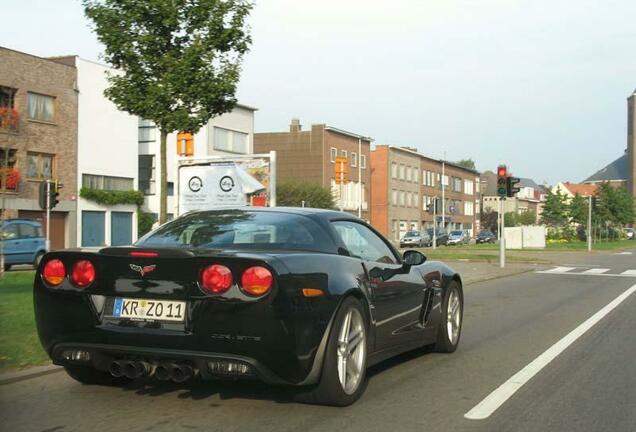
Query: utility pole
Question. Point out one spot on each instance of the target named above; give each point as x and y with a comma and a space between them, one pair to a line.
48, 214
342, 162
5, 176
359, 177
589, 223
443, 195
435, 222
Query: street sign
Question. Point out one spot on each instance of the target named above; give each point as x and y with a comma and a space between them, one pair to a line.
341, 169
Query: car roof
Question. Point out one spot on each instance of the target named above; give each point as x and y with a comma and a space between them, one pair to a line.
29, 221
303, 211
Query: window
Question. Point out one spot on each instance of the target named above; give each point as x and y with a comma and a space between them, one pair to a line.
101, 182
28, 230
7, 97
468, 208
10, 232
147, 174
334, 154
170, 188
445, 181
402, 198
354, 159
39, 166
394, 197
241, 230
343, 153
363, 161
409, 199
41, 107
363, 243
416, 200
415, 174
146, 131
401, 172
457, 184
468, 187
230, 141
394, 170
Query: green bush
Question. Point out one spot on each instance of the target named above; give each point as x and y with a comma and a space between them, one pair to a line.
145, 221
109, 198
293, 193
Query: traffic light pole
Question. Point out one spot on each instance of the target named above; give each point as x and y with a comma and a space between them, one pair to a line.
48, 213
502, 237
341, 185
589, 224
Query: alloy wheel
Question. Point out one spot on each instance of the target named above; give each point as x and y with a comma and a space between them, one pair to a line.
352, 351
453, 316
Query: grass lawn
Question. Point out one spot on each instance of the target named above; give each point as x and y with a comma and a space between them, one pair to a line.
19, 343
476, 255
579, 245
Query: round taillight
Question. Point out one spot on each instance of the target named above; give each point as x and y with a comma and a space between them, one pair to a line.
257, 281
54, 272
83, 273
216, 279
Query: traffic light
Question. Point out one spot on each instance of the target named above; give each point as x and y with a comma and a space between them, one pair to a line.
49, 192
502, 181
54, 190
511, 186
42, 194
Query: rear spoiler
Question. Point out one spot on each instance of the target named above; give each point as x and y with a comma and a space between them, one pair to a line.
137, 252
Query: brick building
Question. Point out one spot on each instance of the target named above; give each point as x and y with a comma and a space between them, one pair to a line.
38, 139
405, 183
310, 155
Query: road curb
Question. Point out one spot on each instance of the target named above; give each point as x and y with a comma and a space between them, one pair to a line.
25, 374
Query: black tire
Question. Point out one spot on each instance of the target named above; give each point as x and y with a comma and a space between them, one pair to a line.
90, 376
7, 267
444, 344
329, 391
38, 258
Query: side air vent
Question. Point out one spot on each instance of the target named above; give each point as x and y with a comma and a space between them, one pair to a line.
428, 306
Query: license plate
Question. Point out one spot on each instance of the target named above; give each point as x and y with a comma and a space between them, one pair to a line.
149, 310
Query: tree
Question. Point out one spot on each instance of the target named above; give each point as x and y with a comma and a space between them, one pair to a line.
578, 210
467, 163
527, 218
489, 220
293, 193
615, 206
179, 61
511, 219
555, 210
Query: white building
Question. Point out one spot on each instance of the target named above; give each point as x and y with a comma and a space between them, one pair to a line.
227, 135
106, 159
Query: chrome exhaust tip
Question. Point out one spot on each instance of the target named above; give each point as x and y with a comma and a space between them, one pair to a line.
116, 369
182, 373
164, 371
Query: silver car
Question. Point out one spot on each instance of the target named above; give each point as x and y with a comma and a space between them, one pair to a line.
415, 239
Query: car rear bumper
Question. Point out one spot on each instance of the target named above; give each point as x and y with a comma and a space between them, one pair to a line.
101, 357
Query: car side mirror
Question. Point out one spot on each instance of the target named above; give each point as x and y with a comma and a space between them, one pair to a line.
413, 258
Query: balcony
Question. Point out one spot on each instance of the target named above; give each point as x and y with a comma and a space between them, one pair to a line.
9, 120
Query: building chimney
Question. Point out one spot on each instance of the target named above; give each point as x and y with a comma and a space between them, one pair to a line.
295, 125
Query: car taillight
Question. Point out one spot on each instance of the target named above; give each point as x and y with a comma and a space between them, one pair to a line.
83, 273
54, 272
216, 279
256, 281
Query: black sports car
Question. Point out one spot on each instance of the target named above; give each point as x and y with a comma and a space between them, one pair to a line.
303, 297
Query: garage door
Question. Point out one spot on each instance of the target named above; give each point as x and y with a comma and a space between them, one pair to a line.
120, 228
58, 234
93, 226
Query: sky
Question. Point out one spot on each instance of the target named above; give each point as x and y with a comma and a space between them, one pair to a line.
539, 85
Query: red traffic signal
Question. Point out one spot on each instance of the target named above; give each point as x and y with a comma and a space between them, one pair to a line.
502, 171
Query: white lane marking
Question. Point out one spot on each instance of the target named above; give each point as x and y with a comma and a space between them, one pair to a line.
497, 398
596, 271
623, 253
560, 270
629, 273
624, 274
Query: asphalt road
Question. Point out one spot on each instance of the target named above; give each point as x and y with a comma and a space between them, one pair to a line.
509, 322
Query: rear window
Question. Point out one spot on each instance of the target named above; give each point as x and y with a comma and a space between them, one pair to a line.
456, 233
412, 234
239, 229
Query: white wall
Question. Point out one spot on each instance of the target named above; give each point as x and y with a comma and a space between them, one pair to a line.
106, 139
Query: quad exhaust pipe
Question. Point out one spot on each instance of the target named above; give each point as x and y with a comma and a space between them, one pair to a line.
164, 371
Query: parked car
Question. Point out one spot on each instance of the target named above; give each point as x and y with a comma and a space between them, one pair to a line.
485, 236
292, 296
457, 237
442, 236
22, 242
629, 233
415, 239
